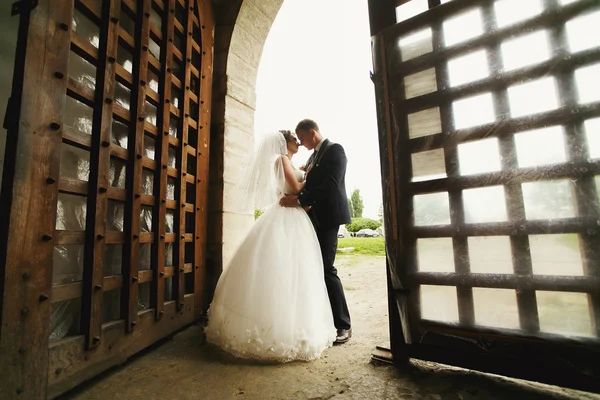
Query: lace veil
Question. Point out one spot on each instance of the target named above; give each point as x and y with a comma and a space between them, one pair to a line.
262, 180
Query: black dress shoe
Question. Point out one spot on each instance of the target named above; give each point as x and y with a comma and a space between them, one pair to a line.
343, 335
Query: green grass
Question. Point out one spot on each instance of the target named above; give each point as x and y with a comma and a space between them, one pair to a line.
364, 246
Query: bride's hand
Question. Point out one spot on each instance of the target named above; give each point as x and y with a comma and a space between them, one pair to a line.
307, 208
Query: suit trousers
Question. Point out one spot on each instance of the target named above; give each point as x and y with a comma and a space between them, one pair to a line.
329, 241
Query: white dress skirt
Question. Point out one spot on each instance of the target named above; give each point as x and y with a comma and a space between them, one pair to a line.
271, 302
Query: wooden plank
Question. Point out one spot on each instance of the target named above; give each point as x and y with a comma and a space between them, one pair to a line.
180, 216
510, 228
162, 157
75, 138
464, 294
583, 284
69, 237
78, 365
134, 167
74, 290
95, 241
73, 186
559, 116
115, 237
116, 194
83, 48
80, 92
32, 168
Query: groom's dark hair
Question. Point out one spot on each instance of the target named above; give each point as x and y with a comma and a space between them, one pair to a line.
307, 125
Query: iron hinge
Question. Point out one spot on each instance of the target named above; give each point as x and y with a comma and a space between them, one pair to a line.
18, 7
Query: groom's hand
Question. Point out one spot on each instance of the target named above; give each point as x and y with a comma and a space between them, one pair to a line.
289, 201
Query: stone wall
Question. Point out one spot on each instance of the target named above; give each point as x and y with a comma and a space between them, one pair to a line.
241, 30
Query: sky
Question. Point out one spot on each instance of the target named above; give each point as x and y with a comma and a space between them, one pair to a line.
316, 64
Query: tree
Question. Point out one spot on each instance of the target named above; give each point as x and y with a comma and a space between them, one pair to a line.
380, 213
357, 204
350, 208
362, 223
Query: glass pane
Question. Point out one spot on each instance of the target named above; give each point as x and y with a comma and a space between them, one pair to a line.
71, 212
564, 313
428, 165
432, 209
111, 306
435, 255
175, 96
85, 28
526, 50
78, 116
420, 83
127, 23
74, 163
168, 254
479, 157
156, 19
171, 188
587, 80
170, 221
149, 147
592, 133
169, 289
416, 44
424, 123
144, 296
496, 307
439, 303
469, 68
174, 126
548, 200
172, 157
116, 173
113, 259
122, 95
152, 80
410, 9
150, 112
67, 264
555, 254
509, 12
145, 256
154, 49
533, 97
125, 58
486, 204
473, 111
81, 71
119, 133
146, 219
551, 139
579, 29
64, 319
490, 255
463, 27
147, 182
115, 215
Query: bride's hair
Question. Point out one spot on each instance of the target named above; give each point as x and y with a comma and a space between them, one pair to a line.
287, 135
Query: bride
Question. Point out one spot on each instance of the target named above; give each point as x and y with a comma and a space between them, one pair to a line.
271, 303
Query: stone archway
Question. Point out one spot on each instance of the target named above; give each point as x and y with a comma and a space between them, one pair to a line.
241, 30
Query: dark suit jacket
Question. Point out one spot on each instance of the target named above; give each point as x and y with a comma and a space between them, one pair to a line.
325, 189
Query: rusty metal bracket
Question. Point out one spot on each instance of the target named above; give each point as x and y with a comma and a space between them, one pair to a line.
18, 7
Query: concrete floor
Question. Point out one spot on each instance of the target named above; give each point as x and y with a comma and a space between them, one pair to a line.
184, 367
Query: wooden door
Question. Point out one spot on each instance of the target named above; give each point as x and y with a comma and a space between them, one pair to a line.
491, 181
104, 236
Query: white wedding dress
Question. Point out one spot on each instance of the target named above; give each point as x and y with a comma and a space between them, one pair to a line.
271, 303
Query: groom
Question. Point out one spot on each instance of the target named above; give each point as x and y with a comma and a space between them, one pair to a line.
325, 195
